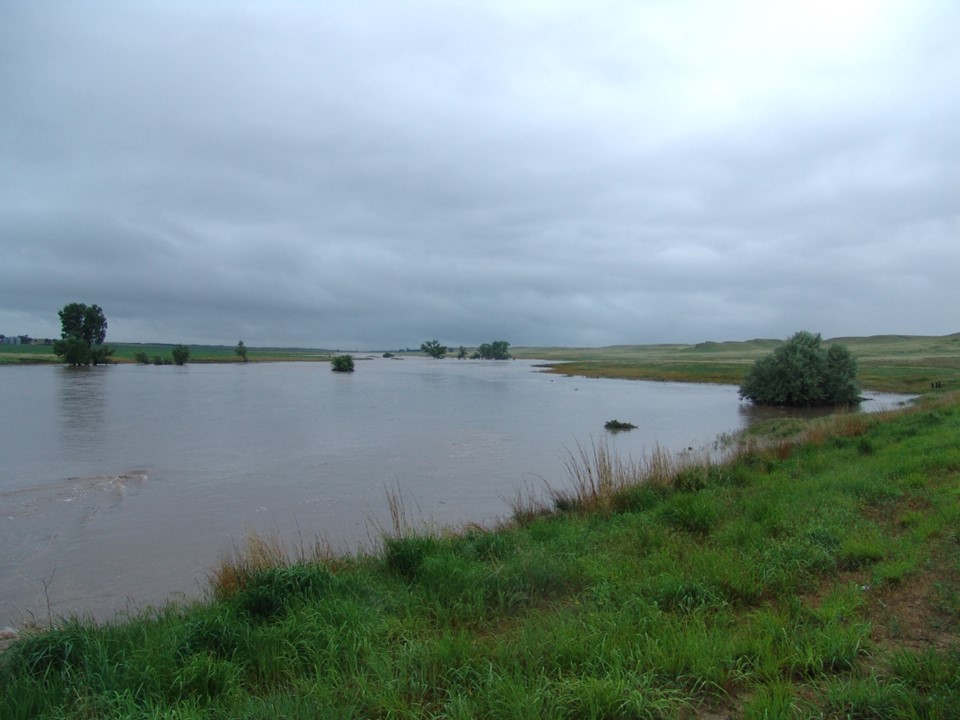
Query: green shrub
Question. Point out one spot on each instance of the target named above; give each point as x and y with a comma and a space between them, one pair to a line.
802, 373
342, 363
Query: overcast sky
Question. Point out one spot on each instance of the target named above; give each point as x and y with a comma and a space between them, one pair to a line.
370, 175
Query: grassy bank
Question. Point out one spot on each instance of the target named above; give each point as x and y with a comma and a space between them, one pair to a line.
125, 352
888, 363
814, 573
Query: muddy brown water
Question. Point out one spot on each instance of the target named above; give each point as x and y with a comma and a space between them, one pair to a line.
121, 486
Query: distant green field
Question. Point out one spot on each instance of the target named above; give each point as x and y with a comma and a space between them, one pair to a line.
125, 352
891, 363
26, 354
223, 353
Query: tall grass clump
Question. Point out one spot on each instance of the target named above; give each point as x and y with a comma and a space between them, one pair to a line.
595, 475
602, 482
261, 554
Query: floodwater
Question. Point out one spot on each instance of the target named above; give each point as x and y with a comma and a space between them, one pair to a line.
120, 486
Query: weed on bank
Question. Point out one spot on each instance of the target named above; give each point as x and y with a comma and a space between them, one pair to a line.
812, 573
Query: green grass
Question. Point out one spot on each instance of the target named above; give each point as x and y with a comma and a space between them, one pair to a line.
890, 363
803, 576
27, 354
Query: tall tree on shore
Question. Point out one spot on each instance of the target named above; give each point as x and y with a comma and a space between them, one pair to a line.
241, 351
83, 328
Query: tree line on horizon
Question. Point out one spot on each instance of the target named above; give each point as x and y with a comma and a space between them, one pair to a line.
496, 350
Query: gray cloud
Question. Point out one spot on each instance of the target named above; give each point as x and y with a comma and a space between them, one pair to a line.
374, 174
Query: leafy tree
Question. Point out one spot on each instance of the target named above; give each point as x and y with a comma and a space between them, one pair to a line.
83, 330
802, 373
181, 353
342, 363
434, 349
241, 351
461, 352
141, 357
497, 350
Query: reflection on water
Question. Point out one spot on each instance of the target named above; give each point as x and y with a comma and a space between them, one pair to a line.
122, 485
872, 402
83, 408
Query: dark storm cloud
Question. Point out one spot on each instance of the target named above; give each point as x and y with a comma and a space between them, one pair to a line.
375, 174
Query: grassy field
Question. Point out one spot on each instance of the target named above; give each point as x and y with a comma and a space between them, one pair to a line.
891, 363
124, 353
814, 572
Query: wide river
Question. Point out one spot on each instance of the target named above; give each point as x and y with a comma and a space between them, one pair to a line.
120, 486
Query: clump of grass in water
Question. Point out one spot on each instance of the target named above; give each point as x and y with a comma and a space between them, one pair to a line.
618, 426
595, 477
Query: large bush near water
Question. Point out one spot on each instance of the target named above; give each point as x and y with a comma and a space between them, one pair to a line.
803, 373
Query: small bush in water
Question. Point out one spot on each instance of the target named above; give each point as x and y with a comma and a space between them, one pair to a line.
342, 363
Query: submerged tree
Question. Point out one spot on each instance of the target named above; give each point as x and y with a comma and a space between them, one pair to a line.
241, 351
83, 330
802, 373
434, 349
497, 350
180, 354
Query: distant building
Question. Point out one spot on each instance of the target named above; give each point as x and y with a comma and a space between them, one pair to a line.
15, 340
